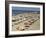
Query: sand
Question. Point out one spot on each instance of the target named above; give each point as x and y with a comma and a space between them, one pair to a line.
19, 24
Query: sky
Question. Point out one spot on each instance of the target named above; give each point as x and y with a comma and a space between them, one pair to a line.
26, 8
18, 10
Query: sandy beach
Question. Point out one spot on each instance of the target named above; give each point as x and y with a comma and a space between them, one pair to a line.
25, 22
